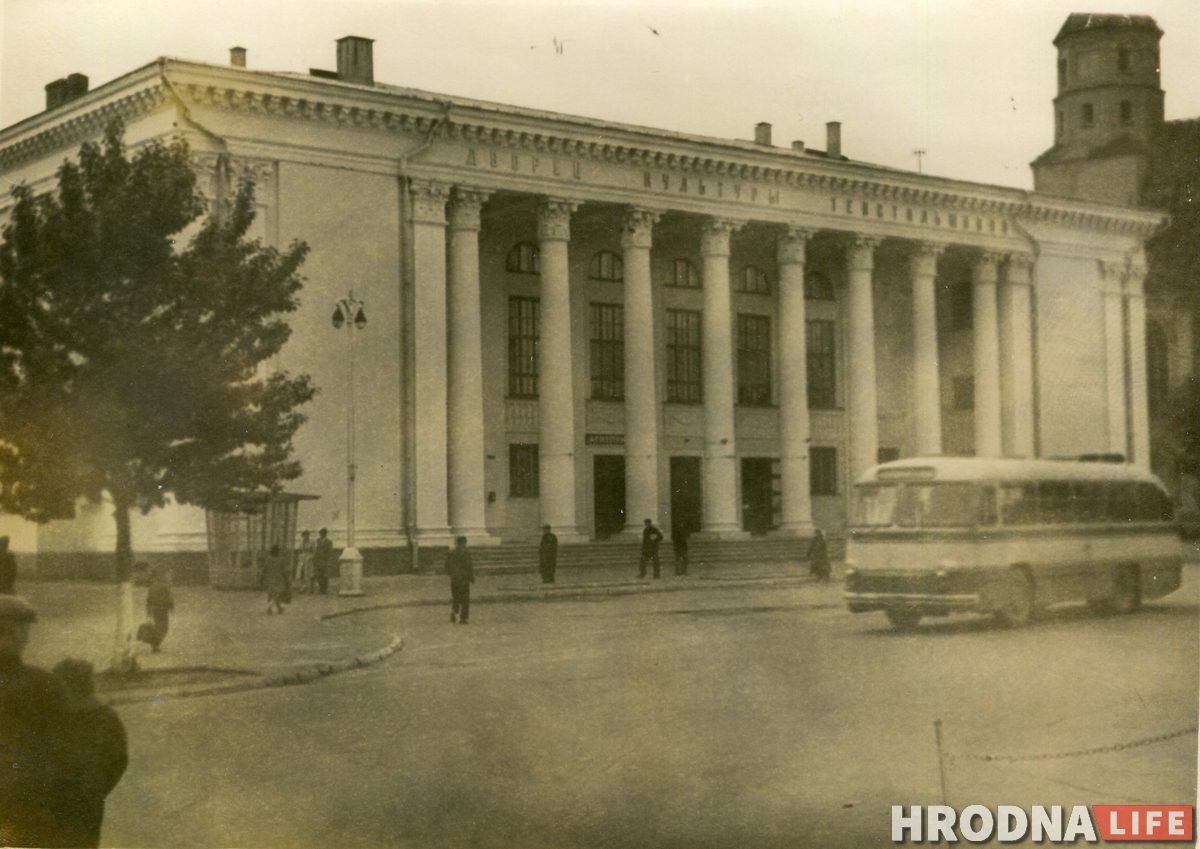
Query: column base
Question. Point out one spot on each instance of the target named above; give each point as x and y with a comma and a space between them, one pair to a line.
476, 537
720, 533
433, 537
795, 529
569, 535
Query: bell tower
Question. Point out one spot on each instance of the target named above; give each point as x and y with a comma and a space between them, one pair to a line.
1108, 108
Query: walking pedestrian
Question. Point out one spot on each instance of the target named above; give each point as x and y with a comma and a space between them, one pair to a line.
651, 537
277, 577
8, 568
322, 562
462, 575
304, 563
97, 754
32, 709
818, 556
548, 555
679, 542
159, 604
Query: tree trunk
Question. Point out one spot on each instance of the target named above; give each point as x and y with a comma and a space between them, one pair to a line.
122, 659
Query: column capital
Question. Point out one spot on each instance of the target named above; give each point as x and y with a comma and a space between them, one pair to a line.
860, 251
1135, 279
465, 204
429, 201
1019, 269
792, 245
984, 271
923, 257
1112, 272
637, 227
554, 220
714, 238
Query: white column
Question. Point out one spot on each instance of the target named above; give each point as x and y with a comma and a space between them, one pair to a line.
1139, 418
429, 345
861, 392
465, 347
1117, 404
987, 358
1016, 356
793, 383
556, 396
927, 397
720, 450
641, 386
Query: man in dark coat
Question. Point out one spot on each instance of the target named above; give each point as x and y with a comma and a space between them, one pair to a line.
548, 555
98, 755
462, 575
818, 556
32, 710
651, 537
322, 561
8, 568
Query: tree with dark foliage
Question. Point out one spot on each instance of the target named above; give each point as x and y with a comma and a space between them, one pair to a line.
133, 368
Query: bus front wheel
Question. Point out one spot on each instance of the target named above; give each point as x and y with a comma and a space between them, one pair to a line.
903, 618
1128, 595
1014, 600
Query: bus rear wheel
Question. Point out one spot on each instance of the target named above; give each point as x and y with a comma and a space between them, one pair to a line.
1128, 595
903, 618
1014, 600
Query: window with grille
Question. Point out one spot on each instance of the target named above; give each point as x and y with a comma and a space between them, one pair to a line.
1126, 112
754, 360
964, 393
684, 274
822, 365
523, 332
817, 287
608, 352
524, 259
962, 305
1089, 115
522, 471
754, 281
606, 265
822, 470
684, 384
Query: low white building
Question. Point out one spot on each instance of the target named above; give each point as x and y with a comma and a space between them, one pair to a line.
584, 324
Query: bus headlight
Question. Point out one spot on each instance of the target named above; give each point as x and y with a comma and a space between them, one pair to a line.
850, 572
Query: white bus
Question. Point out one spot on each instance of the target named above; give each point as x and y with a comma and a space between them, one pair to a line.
937, 535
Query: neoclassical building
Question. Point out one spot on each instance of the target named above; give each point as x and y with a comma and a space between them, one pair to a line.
584, 324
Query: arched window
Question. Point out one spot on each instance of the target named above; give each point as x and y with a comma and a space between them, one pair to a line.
1158, 378
684, 274
524, 259
817, 287
606, 265
754, 281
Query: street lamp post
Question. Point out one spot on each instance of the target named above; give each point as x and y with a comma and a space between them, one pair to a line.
348, 312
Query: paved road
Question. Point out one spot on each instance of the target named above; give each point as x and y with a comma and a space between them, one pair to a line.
736, 717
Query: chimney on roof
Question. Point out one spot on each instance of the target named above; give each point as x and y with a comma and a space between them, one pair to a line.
354, 62
762, 133
833, 139
798, 146
237, 57
65, 90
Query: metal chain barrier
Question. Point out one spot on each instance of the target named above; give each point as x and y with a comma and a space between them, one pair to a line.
1078, 753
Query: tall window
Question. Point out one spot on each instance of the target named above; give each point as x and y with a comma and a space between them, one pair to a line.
962, 305
684, 385
822, 470
524, 259
606, 265
1158, 378
684, 274
963, 388
754, 360
1126, 112
524, 328
608, 352
822, 366
1089, 115
1123, 59
817, 287
522, 471
754, 281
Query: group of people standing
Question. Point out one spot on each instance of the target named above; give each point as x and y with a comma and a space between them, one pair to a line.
309, 573
62, 750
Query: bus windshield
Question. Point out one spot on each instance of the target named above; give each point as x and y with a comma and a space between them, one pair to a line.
921, 505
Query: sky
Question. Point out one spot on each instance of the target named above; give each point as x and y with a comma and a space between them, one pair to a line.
969, 82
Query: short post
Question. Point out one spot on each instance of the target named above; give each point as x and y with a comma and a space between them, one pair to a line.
937, 733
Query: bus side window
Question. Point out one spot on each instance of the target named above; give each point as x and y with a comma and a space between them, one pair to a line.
1089, 501
988, 514
1055, 501
1019, 503
1152, 505
1122, 504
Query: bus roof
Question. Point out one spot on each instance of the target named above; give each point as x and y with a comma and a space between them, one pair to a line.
1003, 469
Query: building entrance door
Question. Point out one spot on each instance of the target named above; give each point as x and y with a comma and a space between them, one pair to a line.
757, 492
685, 493
608, 483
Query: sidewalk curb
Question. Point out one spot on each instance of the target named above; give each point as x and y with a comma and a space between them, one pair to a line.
282, 679
512, 597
